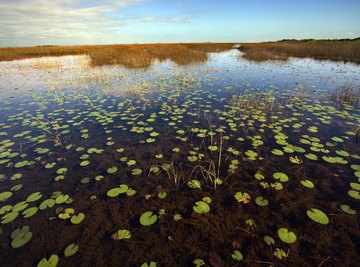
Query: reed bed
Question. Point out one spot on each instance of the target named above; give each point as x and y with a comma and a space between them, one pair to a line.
337, 50
132, 55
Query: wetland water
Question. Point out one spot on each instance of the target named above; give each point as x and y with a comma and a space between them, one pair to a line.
226, 162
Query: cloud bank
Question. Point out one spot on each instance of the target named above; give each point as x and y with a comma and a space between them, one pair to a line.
39, 22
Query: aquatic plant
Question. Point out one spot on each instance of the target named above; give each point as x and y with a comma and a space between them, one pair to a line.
242, 197
198, 262
280, 254
151, 264
148, 218
286, 236
121, 234
317, 216
51, 262
71, 250
201, 207
237, 255
20, 236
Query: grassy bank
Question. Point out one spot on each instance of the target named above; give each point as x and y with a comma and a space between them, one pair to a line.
337, 50
133, 55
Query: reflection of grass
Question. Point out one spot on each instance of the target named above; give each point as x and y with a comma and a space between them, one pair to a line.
348, 93
132, 56
343, 50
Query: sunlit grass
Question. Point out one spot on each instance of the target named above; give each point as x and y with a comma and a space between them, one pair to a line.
131, 56
342, 50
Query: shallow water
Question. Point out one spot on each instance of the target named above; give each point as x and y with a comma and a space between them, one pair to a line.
196, 145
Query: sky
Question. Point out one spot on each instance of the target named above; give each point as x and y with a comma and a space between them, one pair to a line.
77, 22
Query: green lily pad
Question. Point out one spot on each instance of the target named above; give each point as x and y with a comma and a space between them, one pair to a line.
51, 262
318, 216
262, 202
236, 255
277, 152
9, 217
20, 206
112, 170
124, 234
5, 196
286, 236
354, 194
148, 218
61, 199
84, 163
34, 197
30, 212
21, 164
76, 219
47, 203
282, 176
347, 209
269, 240
20, 236
201, 207
307, 183
213, 148
70, 250
136, 172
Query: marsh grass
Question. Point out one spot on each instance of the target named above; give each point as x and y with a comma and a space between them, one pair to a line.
349, 93
337, 50
127, 55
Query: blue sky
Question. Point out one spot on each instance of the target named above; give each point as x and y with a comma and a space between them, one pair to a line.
71, 22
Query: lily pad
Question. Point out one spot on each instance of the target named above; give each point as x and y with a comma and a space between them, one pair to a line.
236, 255
286, 236
34, 197
70, 250
317, 216
20, 236
51, 262
347, 209
282, 176
148, 218
262, 202
201, 207
5, 196
76, 219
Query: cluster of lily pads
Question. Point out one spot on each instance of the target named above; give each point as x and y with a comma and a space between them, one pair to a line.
193, 138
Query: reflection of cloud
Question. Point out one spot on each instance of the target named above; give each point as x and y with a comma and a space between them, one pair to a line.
65, 19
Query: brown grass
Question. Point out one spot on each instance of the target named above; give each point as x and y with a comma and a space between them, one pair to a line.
349, 93
133, 55
337, 50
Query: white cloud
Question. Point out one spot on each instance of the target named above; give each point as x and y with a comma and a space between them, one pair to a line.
33, 22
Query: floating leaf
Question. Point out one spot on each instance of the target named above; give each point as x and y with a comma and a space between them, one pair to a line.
70, 250
34, 197
347, 209
201, 207
5, 196
236, 255
112, 170
262, 202
30, 212
286, 236
124, 234
148, 218
282, 176
52, 262
307, 183
47, 203
76, 219
9, 217
317, 216
20, 236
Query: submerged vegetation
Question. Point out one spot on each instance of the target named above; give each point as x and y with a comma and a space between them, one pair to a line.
194, 166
